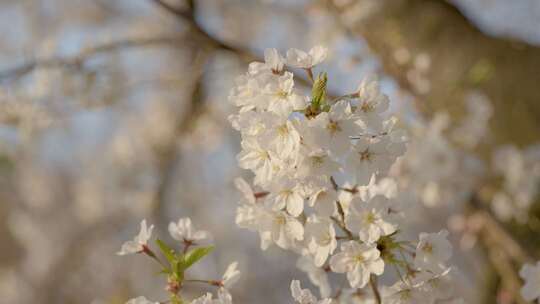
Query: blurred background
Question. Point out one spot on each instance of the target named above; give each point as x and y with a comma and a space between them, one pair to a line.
116, 110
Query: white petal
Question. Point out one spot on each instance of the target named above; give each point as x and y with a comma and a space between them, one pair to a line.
339, 263
295, 205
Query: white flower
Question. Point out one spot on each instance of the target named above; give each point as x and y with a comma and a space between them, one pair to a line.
224, 297
397, 137
246, 94
369, 219
316, 165
280, 95
286, 193
283, 229
402, 293
249, 123
316, 275
331, 130
273, 62
301, 59
139, 242
321, 238
251, 215
257, 158
185, 231
422, 287
359, 261
371, 103
370, 156
140, 300
205, 299
437, 286
248, 215
304, 296
231, 275
245, 188
281, 135
324, 201
432, 251
531, 276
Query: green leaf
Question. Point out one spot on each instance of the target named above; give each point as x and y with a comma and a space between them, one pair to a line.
193, 256
168, 252
318, 92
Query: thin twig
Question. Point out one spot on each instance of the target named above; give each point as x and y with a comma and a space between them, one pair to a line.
375, 289
242, 52
341, 221
79, 59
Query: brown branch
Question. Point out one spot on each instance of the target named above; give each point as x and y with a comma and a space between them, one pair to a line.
189, 17
494, 230
341, 221
501, 248
242, 52
78, 60
375, 289
168, 157
501, 261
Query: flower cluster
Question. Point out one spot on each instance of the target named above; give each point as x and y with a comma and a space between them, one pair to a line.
316, 161
177, 263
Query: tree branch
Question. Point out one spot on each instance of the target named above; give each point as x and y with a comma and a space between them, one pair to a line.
375, 289
78, 60
242, 52
168, 157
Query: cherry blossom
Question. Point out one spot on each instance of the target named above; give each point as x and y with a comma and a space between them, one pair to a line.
138, 244
283, 228
301, 59
288, 194
321, 238
317, 276
432, 251
359, 261
371, 103
304, 296
231, 275
370, 219
332, 129
370, 156
184, 230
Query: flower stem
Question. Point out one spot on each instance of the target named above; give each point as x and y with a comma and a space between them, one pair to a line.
146, 250
209, 282
310, 75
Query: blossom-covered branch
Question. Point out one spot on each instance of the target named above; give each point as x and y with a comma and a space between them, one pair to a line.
306, 153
